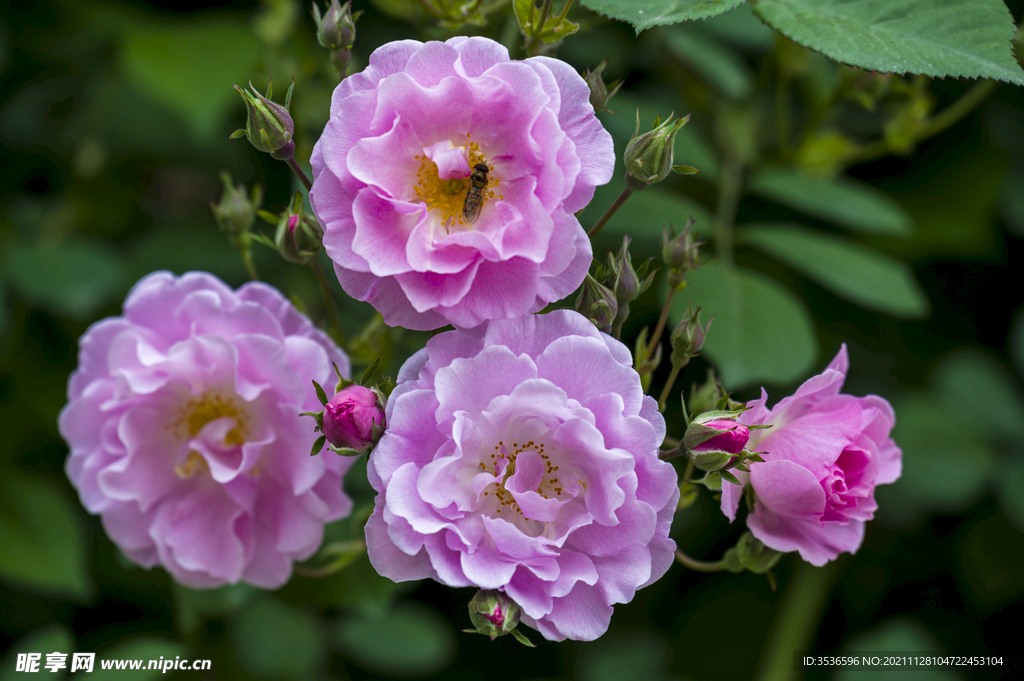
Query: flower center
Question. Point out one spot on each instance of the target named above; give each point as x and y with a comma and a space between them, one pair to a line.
192, 418
454, 197
503, 462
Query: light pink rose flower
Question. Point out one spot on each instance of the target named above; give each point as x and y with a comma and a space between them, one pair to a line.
522, 456
392, 173
185, 435
824, 455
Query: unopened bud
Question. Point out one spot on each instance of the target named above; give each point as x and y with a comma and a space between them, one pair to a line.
680, 253
688, 338
269, 126
600, 93
494, 614
353, 419
597, 303
336, 31
714, 444
299, 236
649, 157
236, 210
626, 282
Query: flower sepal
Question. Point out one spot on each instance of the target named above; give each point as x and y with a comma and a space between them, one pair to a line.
269, 126
535, 25
494, 614
649, 157
600, 92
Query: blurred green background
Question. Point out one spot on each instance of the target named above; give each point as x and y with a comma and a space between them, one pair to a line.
854, 226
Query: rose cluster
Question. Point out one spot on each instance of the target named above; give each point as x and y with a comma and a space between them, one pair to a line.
519, 452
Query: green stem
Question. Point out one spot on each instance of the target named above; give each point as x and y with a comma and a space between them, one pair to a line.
610, 212
659, 328
300, 173
796, 621
244, 244
699, 565
688, 475
332, 312
663, 398
728, 201
953, 113
250, 266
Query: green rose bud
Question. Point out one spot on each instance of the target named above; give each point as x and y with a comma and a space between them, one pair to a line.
649, 157
269, 126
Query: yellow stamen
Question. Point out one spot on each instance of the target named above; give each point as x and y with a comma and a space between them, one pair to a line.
449, 196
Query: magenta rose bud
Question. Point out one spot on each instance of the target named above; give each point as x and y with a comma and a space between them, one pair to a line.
732, 440
186, 435
522, 457
448, 171
823, 457
350, 417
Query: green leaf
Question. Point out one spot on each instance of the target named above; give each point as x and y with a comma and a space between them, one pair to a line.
51, 639
718, 66
42, 542
895, 635
946, 463
853, 271
762, 332
841, 200
643, 14
143, 648
979, 389
272, 640
409, 640
740, 28
74, 279
626, 656
189, 68
192, 605
959, 38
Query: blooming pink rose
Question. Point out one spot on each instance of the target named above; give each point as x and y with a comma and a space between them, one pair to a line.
394, 167
823, 456
350, 416
522, 456
185, 435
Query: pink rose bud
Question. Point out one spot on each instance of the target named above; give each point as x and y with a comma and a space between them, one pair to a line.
350, 417
733, 438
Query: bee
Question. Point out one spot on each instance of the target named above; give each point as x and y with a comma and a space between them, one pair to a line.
475, 195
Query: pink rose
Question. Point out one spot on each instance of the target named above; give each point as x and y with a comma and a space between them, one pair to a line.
410, 137
185, 434
823, 457
522, 456
350, 416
